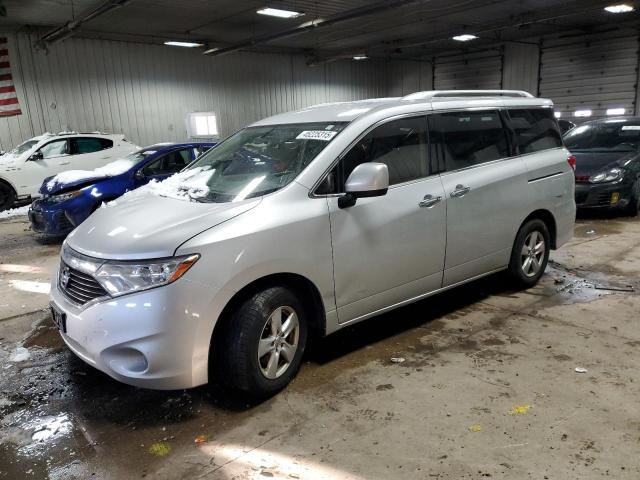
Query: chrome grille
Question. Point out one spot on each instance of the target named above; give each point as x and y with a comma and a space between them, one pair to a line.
79, 287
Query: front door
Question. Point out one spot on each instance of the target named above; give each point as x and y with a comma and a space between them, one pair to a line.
56, 158
391, 248
486, 190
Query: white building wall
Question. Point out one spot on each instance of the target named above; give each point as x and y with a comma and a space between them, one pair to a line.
145, 91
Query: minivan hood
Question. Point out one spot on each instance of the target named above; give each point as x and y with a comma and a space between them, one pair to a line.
588, 163
150, 226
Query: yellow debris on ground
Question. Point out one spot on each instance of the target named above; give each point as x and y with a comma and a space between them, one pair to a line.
520, 410
160, 449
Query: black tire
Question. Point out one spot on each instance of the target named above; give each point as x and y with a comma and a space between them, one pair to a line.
7, 196
517, 263
634, 201
236, 346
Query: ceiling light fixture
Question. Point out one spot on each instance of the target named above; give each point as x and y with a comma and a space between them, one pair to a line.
615, 111
621, 8
277, 12
465, 37
360, 57
582, 113
557, 114
184, 44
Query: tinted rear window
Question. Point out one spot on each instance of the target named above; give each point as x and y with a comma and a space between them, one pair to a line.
535, 129
469, 138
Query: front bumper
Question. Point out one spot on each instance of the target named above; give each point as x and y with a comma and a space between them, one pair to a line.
604, 195
48, 221
147, 339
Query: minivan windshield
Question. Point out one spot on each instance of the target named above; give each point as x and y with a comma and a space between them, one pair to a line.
258, 160
610, 136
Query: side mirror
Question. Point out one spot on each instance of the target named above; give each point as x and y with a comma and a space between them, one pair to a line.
139, 175
36, 156
367, 180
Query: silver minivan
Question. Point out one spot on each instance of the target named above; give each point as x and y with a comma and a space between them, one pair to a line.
309, 221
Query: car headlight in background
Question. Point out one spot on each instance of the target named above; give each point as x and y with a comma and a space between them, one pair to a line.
63, 197
609, 176
119, 278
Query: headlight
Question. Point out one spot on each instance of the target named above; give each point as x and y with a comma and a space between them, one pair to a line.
63, 197
120, 277
608, 176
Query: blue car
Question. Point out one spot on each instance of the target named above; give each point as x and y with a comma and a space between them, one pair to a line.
70, 197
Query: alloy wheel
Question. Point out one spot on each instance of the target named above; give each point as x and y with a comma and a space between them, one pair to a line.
278, 342
533, 252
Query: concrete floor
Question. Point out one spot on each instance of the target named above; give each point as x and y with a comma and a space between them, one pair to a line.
487, 388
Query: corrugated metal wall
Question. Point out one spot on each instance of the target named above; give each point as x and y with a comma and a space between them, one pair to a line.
521, 67
591, 73
407, 77
145, 91
479, 70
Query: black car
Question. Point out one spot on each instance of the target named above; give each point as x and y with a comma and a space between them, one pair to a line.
607, 163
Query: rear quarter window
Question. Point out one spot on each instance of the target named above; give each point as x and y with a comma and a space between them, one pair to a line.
82, 145
535, 129
468, 138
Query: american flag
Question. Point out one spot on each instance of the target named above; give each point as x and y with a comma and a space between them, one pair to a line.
8, 98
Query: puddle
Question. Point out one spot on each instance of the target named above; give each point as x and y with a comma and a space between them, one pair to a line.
587, 229
579, 285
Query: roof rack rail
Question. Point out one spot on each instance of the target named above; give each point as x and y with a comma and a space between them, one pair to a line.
427, 95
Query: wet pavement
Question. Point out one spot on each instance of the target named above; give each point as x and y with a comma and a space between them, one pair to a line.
483, 384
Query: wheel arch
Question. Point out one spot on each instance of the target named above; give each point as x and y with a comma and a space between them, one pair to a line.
547, 217
8, 182
299, 284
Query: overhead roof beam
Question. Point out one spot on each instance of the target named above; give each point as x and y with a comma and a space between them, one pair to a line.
352, 14
69, 28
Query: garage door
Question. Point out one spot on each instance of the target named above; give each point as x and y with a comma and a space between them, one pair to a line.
590, 74
481, 70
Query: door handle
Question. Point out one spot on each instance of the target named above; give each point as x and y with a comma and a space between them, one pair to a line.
65, 163
460, 191
429, 201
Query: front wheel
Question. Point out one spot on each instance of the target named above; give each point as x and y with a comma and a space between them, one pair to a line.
530, 253
634, 200
261, 344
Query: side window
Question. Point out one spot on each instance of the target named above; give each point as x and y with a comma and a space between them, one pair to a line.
56, 148
535, 129
399, 144
106, 143
469, 138
167, 164
82, 145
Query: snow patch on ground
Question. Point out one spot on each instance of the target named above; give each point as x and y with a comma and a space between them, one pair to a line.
14, 212
20, 354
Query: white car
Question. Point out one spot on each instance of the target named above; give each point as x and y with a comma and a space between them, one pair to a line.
23, 169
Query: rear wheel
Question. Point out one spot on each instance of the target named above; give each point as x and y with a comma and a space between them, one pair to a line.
530, 253
7, 196
260, 347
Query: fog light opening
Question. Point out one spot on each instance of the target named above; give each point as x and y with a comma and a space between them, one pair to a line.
125, 360
615, 198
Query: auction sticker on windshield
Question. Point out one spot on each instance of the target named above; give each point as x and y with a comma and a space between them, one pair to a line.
316, 135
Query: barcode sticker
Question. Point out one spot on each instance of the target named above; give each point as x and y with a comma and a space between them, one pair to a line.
316, 135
